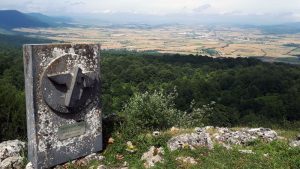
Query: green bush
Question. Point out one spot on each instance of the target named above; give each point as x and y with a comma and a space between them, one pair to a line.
149, 111
156, 111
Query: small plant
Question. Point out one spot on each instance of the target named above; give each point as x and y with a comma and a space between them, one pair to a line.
197, 117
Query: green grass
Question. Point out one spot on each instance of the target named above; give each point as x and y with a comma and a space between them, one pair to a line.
272, 155
288, 134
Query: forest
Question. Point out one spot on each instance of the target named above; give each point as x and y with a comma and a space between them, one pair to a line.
242, 91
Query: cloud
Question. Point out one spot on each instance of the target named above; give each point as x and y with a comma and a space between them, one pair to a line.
76, 3
287, 10
202, 8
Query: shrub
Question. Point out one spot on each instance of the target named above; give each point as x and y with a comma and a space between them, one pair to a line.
150, 111
156, 111
197, 117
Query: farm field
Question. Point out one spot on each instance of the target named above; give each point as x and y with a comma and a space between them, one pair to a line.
217, 41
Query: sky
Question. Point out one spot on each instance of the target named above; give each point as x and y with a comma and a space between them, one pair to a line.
262, 10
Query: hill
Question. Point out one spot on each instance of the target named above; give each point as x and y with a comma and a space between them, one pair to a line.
288, 28
52, 21
10, 19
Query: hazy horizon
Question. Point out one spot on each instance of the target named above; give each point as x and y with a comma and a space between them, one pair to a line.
165, 11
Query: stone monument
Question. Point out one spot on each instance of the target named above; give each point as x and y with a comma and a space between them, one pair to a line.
62, 88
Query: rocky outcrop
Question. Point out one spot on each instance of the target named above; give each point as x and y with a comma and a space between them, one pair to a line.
234, 137
153, 156
10, 154
191, 141
10, 151
244, 135
263, 133
202, 137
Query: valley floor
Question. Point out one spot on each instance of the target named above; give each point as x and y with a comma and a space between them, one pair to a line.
218, 41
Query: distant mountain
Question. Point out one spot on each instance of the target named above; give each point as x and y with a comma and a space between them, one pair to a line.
52, 21
10, 19
288, 28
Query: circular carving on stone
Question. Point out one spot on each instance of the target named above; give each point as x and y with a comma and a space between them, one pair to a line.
69, 84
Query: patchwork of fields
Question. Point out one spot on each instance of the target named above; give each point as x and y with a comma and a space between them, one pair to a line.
217, 41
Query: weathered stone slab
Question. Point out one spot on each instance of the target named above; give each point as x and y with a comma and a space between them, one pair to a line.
62, 100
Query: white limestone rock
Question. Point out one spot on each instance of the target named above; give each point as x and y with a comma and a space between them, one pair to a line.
222, 130
153, 156
29, 166
199, 129
11, 148
295, 143
94, 156
245, 135
101, 167
236, 137
10, 154
14, 162
187, 160
192, 141
264, 133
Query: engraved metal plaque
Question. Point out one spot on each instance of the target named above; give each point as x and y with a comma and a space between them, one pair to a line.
71, 130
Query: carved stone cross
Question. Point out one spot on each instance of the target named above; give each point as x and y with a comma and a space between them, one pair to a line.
75, 84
